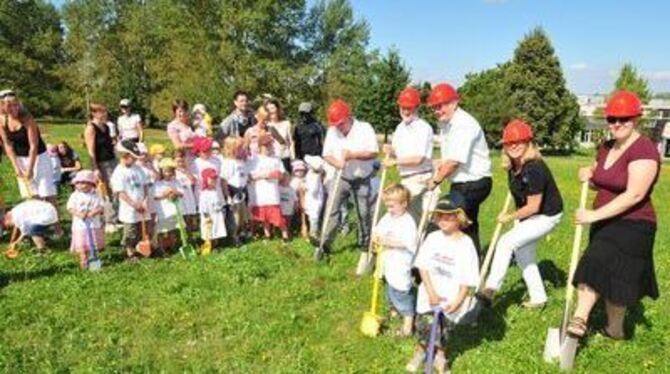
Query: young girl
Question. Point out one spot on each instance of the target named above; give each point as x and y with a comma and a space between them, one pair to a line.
539, 209
167, 193
211, 207
448, 264
202, 148
234, 173
157, 153
287, 200
314, 193
265, 171
146, 163
85, 206
187, 182
396, 232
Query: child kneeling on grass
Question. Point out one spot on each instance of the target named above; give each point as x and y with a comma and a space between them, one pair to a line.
396, 232
86, 208
448, 264
131, 185
31, 218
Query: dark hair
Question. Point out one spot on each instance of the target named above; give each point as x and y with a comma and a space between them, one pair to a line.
280, 110
179, 104
95, 107
179, 153
239, 93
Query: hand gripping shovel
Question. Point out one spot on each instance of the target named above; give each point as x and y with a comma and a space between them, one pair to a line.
144, 246
558, 343
430, 354
94, 263
371, 322
11, 252
187, 250
320, 251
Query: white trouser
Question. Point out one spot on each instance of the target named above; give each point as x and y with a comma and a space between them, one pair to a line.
521, 241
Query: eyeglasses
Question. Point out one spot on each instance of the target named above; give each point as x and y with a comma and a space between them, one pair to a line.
618, 120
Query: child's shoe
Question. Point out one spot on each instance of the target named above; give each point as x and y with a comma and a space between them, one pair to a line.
415, 363
440, 363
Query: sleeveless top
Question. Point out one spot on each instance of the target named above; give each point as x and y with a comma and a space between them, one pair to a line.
104, 148
20, 142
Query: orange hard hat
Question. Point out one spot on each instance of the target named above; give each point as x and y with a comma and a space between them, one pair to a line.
442, 94
623, 104
338, 111
409, 98
517, 131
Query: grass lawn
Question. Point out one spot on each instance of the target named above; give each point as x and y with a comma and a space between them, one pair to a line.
264, 308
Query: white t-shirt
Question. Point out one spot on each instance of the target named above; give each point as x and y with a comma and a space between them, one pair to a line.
181, 131
451, 263
112, 129
128, 126
34, 212
287, 200
186, 188
314, 193
131, 180
165, 208
85, 202
411, 140
397, 266
361, 137
211, 204
284, 129
234, 171
463, 141
264, 192
200, 164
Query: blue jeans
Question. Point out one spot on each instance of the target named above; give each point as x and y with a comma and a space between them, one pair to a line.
403, 301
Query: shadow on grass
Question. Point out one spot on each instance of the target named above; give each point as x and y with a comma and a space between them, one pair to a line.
552, 273
634, 317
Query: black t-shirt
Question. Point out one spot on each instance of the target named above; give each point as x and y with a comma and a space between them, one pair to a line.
308, 139
535, 178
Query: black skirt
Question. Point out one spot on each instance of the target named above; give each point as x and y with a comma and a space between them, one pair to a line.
618, 263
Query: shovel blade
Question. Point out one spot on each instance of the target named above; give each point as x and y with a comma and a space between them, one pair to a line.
206, 248
552, 346
568, 352
144, 248
370, 324
187, 251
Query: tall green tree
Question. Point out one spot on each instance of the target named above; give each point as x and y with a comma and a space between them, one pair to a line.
31, 49
630, 80
537, 92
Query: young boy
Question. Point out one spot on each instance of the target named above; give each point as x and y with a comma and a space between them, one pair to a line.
31, 218
131, 184
448, 264
396, 232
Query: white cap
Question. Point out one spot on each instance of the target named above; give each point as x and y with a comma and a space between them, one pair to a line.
199, 108
124, 102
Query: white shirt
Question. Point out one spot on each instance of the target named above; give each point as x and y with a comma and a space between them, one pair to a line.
397, 266
211, 205
234, 171
361, 137
264, 192
186, 188
131, 180
128, 126
112, 129
463, 141
314, 193
85, 202
200, 164
34, 212
287, 200
284, 129
165, 208
411, 140
450, 263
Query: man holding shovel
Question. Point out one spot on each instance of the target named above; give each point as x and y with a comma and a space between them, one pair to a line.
350, 147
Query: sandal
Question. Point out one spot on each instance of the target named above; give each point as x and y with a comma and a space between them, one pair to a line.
603, 331
577, 328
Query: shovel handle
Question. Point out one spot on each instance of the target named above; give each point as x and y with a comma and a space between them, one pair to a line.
492, 245
376, 281
378, 203
329, 208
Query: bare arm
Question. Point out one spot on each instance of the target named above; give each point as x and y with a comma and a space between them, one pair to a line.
334, 162
433, 297
532, 207
89, 138
456, 304
9, 151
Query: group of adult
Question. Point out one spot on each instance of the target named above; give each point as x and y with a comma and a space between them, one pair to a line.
617, 266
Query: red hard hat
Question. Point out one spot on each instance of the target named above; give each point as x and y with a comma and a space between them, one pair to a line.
517, 131
409, 98
338, 111
441, 94
623, 104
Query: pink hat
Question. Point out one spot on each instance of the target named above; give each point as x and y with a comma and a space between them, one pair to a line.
85, 176
201, 144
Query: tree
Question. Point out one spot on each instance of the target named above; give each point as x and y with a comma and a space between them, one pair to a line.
537, 93
377, 104
630, 80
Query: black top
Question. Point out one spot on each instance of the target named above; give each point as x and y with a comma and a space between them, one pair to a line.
20, 142
104, 147
535, 178
68, 160
308, 138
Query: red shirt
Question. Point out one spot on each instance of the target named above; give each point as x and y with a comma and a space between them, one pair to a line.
612, 182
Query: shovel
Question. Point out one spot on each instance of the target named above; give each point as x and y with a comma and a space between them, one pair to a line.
558, 344
430, 355
360, 270
187, 250
320, 251
371, 322
144, 246
94, 263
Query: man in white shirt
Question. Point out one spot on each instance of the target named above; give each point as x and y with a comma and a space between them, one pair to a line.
412, 151
464, 154
350, 146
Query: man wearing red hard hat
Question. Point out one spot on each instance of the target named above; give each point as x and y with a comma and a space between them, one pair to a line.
412, 150
464, 154
351, 147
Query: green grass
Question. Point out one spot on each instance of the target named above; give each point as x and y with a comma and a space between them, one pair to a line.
267, 309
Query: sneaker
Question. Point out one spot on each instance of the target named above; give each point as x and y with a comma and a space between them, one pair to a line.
415, 363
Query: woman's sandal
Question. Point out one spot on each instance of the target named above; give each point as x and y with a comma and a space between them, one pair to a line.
603, 331
577, 328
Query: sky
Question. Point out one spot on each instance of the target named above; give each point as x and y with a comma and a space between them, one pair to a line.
443, 40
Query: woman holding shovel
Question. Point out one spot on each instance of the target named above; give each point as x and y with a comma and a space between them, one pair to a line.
539, 210
618, 265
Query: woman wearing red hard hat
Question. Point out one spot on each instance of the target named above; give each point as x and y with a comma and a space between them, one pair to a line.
412, 150
350, 146
618, 265
465, 155
539, 210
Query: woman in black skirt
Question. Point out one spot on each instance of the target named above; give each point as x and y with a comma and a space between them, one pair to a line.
618, 265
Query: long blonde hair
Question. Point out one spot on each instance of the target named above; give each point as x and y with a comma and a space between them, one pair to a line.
531, 153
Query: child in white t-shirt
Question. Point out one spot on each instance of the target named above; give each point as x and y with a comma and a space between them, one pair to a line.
314, 193
396, 233
131, 184
234, 173
146, 163
167, 193
86, 208
202, 148
265, 171
31, 218
187, 182
449, 267
211, 207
